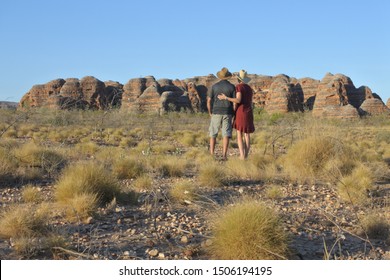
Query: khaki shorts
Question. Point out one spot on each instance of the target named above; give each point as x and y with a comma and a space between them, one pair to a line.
220, 121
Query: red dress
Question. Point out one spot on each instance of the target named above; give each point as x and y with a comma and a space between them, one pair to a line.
244, 112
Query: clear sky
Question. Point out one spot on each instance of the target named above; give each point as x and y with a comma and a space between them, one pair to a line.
41, 40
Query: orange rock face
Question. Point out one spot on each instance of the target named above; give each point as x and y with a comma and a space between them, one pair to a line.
374, 106
333, 96
87, 93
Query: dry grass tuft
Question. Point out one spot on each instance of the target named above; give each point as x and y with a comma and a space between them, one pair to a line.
212, 175
248, 231
33, 155
80, 206
274, 192
24, 220
31, 194
354, 188
183, 191
241, 170
171, 166
376, 227
306, 159
128, 168
143, 183
86, 178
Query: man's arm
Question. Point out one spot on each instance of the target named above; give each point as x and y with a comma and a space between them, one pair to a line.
209, 105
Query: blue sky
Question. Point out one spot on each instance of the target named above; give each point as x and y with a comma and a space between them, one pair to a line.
118, 40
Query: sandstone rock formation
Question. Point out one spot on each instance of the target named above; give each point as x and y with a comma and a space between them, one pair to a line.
374, 106
388, 103
333, 96
87, 93
335, 92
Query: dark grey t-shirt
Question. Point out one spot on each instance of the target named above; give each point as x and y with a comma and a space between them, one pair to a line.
222, 107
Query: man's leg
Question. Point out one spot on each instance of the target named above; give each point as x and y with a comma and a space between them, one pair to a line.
212, 145
213, 131
226, 133
225, 146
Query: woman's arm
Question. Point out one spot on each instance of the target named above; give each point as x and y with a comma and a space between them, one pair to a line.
236, 100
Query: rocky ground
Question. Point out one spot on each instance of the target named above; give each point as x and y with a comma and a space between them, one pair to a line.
320, 226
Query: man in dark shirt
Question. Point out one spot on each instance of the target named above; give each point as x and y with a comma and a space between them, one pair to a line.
221, 111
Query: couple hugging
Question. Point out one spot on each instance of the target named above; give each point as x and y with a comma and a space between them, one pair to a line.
231, 107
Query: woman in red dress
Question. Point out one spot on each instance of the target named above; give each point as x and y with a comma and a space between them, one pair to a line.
244, 114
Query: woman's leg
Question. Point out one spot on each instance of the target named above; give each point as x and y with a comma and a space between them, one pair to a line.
240, 144
247, 143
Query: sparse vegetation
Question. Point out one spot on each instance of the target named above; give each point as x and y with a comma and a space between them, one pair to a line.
80, 177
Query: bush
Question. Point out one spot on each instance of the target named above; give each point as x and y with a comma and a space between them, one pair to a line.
86, 178
81, 206
306, 159
354, 188
376, 227
143, 183
171, 166
35, 156
248, 231
128, 168
24, 220
31, 194
182, 191
274, 192
212, 175
243, 170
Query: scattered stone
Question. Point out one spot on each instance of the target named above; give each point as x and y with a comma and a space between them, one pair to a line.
184, 239
153, 253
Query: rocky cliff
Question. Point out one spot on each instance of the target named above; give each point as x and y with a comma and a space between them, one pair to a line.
333, 96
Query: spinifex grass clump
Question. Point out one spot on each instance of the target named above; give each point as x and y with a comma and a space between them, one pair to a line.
31, 194
248, 231
171, 166
376, 227
128, 168
183, 191
306, 159
24, 220
212, 175
86, 178
33, 155
28, 226
355, 188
